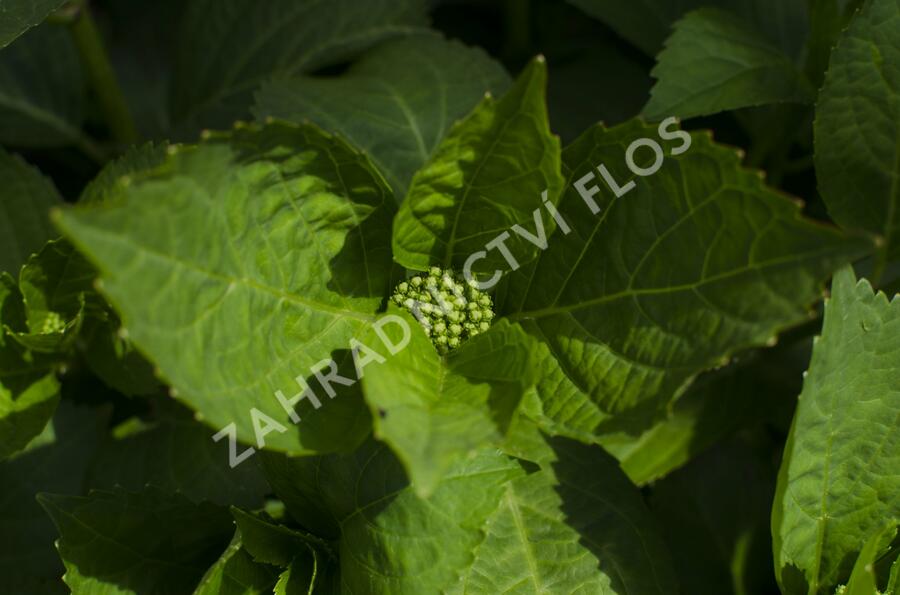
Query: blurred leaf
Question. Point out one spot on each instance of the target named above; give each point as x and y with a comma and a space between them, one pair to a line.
579, 96
154, 453
227, 48
26, 198
54, 461
112, 356
130, 543
17, 16
827, 20
838, 481
714, 515
42, 90
397, 103
235, 573
502, 149
857, 125
277, 232
647, 23
713, 62
141, 45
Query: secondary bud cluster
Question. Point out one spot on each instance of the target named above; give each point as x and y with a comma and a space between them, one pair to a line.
449, 308
53, 323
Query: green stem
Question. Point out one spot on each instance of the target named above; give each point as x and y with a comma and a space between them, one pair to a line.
103, 80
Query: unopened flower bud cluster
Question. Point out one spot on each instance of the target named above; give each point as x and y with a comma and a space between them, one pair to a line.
449, 308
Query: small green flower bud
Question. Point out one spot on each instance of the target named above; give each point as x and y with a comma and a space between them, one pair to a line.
449, 308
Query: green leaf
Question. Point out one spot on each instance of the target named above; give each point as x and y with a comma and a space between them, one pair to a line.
863, 580
489, 527
691, 265
114, 359
397, 103
29, 391
20, 15
275, 544
857, 124
579, 524
226, 49
435, 412
487, 175
57, 291
26, 198
298, 579
646, 23
827, 20
116, 174
130, 543
153, 453
42, 90
277, 232
838, 481
714, 62
894, 579
235, 573
56, 461
363, 502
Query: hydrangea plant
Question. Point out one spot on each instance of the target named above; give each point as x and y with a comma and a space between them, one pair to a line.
309, 297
